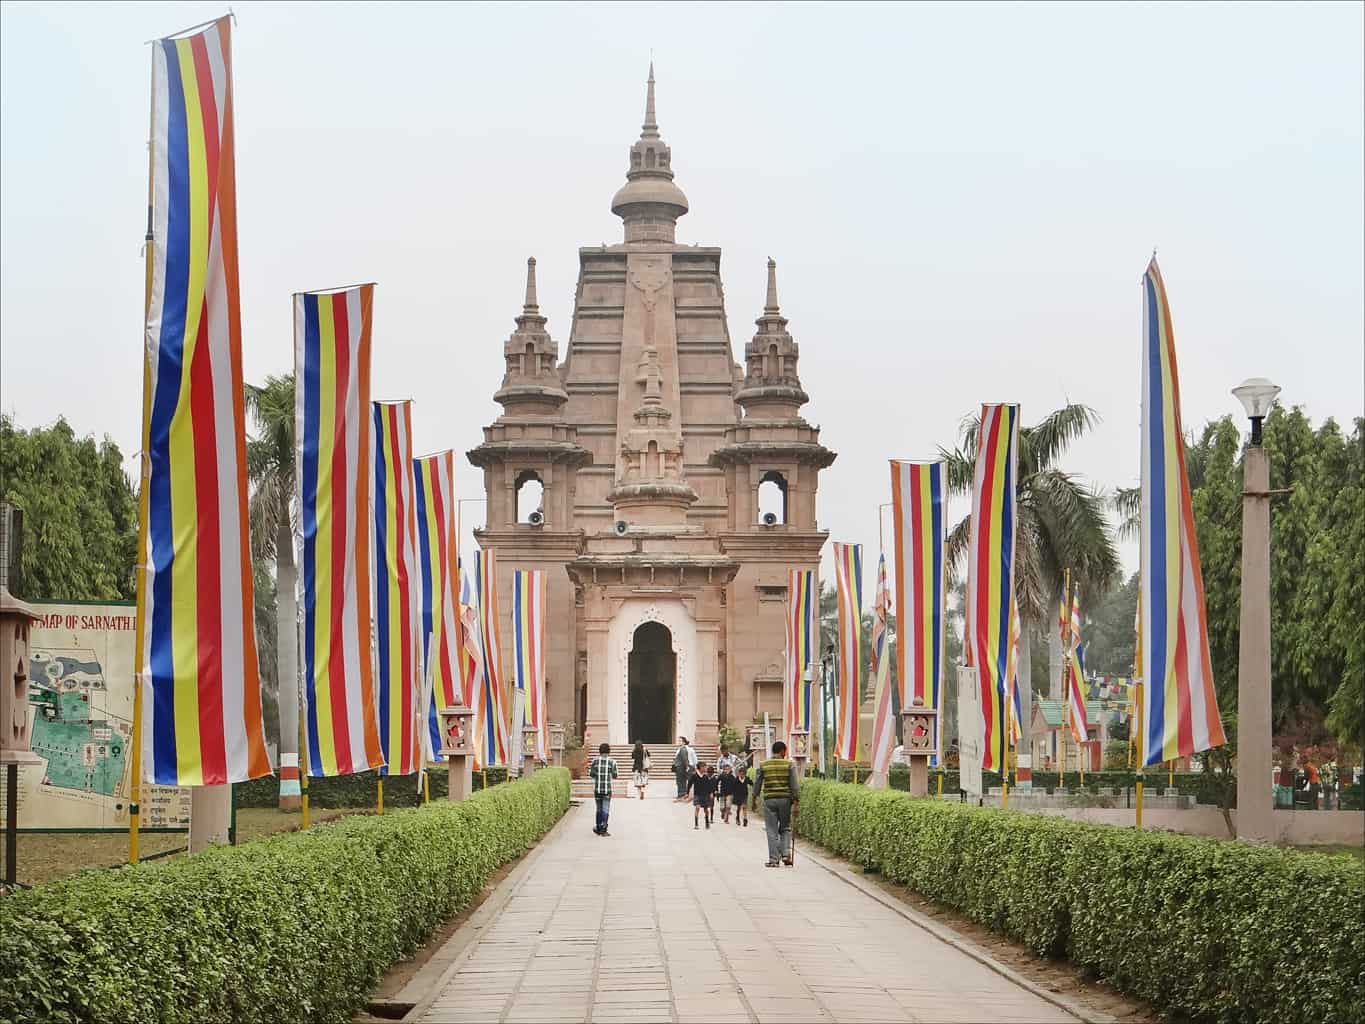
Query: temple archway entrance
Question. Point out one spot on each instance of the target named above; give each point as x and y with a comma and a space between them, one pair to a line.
652, 670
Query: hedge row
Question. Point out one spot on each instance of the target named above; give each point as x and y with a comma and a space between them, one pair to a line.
1245, 933
1195, 784
295, 927
360, 789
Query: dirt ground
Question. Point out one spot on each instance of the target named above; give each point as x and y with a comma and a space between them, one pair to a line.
45, 856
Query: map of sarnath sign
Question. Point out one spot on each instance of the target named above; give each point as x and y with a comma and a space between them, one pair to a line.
81, 724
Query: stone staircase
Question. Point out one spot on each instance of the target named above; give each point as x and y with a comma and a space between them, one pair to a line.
660, 767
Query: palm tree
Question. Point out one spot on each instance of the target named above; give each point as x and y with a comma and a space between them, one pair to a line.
270, 466
1061, 523
1128, 507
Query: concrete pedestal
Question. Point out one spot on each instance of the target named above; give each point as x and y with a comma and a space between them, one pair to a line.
528, 765
461, 776
210, 816
1255, 797
919, 774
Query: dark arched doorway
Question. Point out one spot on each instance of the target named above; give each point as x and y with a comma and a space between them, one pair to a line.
652, 673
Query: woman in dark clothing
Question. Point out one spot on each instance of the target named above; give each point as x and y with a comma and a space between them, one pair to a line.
639, 764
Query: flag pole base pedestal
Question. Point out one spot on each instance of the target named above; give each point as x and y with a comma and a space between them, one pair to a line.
460, 775
210, 816
528, 765
919, 727
800, 750
1023, 772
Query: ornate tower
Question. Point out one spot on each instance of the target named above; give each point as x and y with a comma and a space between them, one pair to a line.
667, 591
772, 444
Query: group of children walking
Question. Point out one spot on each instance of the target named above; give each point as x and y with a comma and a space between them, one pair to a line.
727, 781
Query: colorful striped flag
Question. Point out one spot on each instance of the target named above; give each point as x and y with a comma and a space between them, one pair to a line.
492, 714
333, 439
434, 490
196, 656
1076, 720
848, 588
883, 721
990, 569
1015, 703
397, 588
528, 651
803, 645
1180, 707
917, 509
471, 656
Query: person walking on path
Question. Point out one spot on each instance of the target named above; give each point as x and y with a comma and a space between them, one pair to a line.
680, 763
739, 794
603, 772
639, 764
777, 784
704, 786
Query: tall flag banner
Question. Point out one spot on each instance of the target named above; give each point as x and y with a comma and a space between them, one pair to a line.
196, 660
1015, 702
528, 652
397, 587
333, 437
917, 508
883, 723
803, 644
990, 570
848, 588
434, 491
492, 714
1076, 721
1180, 707
471, 657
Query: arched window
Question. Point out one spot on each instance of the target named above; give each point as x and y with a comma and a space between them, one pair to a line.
649, 157
530, 367
530, 495
772, 497
774, 367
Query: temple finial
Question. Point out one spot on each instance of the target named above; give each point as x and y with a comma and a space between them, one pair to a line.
531, 306
770, 306
650, 129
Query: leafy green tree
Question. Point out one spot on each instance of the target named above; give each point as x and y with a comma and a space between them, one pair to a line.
80, 509
270, 468
1061, 523
1111, 640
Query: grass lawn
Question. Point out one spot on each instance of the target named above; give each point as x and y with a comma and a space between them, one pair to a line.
46, 856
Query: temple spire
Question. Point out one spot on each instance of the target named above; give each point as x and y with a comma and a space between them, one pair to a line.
650, 129
770, 307
530, 305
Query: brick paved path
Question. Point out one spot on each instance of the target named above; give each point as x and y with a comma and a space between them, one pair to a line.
662, 923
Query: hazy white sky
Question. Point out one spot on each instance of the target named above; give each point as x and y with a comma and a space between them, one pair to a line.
961, 200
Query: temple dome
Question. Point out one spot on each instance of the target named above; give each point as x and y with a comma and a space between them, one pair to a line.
649, 202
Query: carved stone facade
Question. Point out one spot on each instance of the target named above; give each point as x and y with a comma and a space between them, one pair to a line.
651, 445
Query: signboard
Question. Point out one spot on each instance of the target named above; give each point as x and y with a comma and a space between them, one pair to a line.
81, 720
971, 731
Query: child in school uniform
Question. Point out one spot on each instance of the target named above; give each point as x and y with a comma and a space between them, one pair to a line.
704, 788
739, 794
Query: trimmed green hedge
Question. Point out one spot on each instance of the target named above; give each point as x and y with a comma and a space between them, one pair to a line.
1244, 933
294, 927
1195, 784
360, 789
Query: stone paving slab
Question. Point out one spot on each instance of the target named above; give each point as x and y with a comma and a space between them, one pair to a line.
660, 922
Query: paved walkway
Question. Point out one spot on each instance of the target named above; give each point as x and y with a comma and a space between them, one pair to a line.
659, 922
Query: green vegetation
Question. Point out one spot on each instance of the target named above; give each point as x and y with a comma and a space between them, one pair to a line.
362, 789
296, 927
80, 514
1211, 930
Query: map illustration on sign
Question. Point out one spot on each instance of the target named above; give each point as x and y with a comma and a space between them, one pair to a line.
80, 705
85, 747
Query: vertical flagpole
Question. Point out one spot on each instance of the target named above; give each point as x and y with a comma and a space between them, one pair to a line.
1137, 707
148, 243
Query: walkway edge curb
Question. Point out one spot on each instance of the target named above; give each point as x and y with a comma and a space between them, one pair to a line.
469, 933
957, 942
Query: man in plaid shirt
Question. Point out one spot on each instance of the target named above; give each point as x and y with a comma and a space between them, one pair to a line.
603, 773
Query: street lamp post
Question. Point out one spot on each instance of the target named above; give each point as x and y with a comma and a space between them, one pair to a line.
1255, 805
